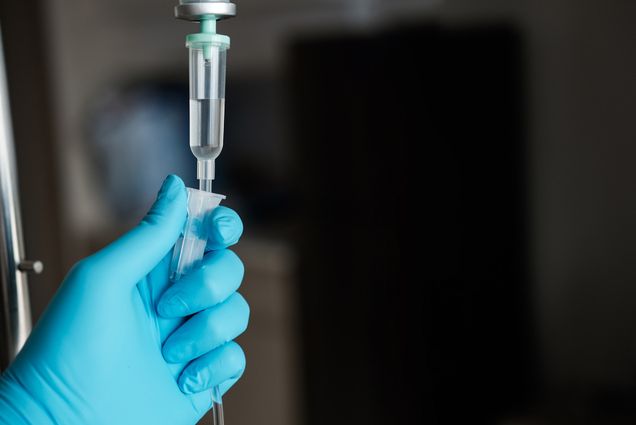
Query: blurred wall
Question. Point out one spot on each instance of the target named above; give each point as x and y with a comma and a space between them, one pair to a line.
581, 85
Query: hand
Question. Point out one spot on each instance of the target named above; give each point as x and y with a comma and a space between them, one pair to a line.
101, 354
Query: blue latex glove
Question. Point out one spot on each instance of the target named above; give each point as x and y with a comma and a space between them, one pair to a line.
101, 354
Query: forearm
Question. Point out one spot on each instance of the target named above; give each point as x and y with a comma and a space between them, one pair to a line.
17, 407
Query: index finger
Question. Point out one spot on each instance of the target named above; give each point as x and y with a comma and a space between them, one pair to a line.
225, 228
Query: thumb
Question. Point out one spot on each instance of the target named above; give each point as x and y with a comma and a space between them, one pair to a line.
131, 257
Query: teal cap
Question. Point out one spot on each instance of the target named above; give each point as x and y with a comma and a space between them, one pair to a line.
201, 40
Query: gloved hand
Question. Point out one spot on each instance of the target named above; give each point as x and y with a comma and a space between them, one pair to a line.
117, 344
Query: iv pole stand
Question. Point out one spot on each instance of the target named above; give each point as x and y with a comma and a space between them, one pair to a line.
14, 294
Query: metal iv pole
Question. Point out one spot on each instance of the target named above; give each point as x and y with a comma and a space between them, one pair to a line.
16, 309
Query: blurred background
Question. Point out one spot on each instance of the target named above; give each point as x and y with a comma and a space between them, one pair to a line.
438, 194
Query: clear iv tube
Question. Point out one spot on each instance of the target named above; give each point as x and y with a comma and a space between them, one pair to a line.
205, 185
217, 408
217, 401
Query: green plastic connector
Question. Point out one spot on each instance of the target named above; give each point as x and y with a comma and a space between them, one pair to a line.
208, 38
208, 25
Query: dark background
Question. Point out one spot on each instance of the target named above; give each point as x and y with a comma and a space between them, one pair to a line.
438, 195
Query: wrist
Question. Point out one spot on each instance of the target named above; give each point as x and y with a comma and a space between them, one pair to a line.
18, 407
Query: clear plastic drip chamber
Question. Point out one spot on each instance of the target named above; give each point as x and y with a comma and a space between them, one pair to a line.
190, 247
208, 57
